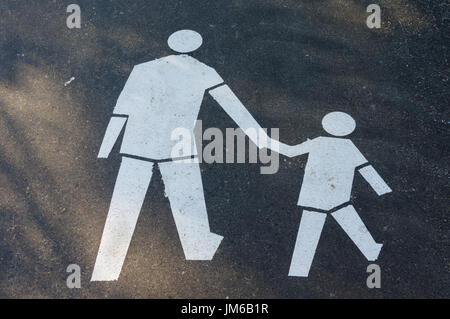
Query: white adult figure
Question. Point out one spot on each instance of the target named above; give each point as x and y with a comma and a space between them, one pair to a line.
159, 97
326, 189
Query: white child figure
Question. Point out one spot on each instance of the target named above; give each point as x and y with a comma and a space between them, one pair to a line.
327, 186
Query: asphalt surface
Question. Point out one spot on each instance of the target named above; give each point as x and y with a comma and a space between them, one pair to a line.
290, 62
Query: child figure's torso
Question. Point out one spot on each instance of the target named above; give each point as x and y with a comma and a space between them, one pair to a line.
329, 172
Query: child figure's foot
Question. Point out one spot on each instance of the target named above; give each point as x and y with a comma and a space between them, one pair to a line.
352, 224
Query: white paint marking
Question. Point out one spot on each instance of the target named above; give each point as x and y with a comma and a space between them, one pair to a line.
237, 111
307, 239
329, 172
338, 123
185, 41
160, 97
352, 224
70, 81
164, 95
327, 184
375, 180
128, 196
113, 130
184, 188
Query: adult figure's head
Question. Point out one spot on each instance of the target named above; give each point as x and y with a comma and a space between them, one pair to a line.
185, 41
338, 123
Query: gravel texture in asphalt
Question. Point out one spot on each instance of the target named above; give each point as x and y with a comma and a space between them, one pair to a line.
290, 62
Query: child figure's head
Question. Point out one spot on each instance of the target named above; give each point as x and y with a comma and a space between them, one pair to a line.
338, 124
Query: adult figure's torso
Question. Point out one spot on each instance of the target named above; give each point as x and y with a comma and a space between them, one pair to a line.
159, 97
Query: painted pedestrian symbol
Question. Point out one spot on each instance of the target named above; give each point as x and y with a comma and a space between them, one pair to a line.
159, 97
327, 185
165, 94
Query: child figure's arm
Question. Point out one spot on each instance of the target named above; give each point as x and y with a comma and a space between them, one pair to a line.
375, 180
295, 150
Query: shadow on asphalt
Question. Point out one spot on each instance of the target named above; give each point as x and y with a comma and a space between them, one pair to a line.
290, 62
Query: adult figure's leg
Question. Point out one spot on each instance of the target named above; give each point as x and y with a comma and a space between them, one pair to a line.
126, 203
184, 188
352, 224
308, 236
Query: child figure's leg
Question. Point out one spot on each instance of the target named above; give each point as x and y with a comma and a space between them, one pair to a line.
352, 224
307, 239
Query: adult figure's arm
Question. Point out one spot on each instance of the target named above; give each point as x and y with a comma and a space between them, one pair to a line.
237, 111
115, 126
134, 94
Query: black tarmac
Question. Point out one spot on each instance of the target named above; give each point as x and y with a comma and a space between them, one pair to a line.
290, 62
